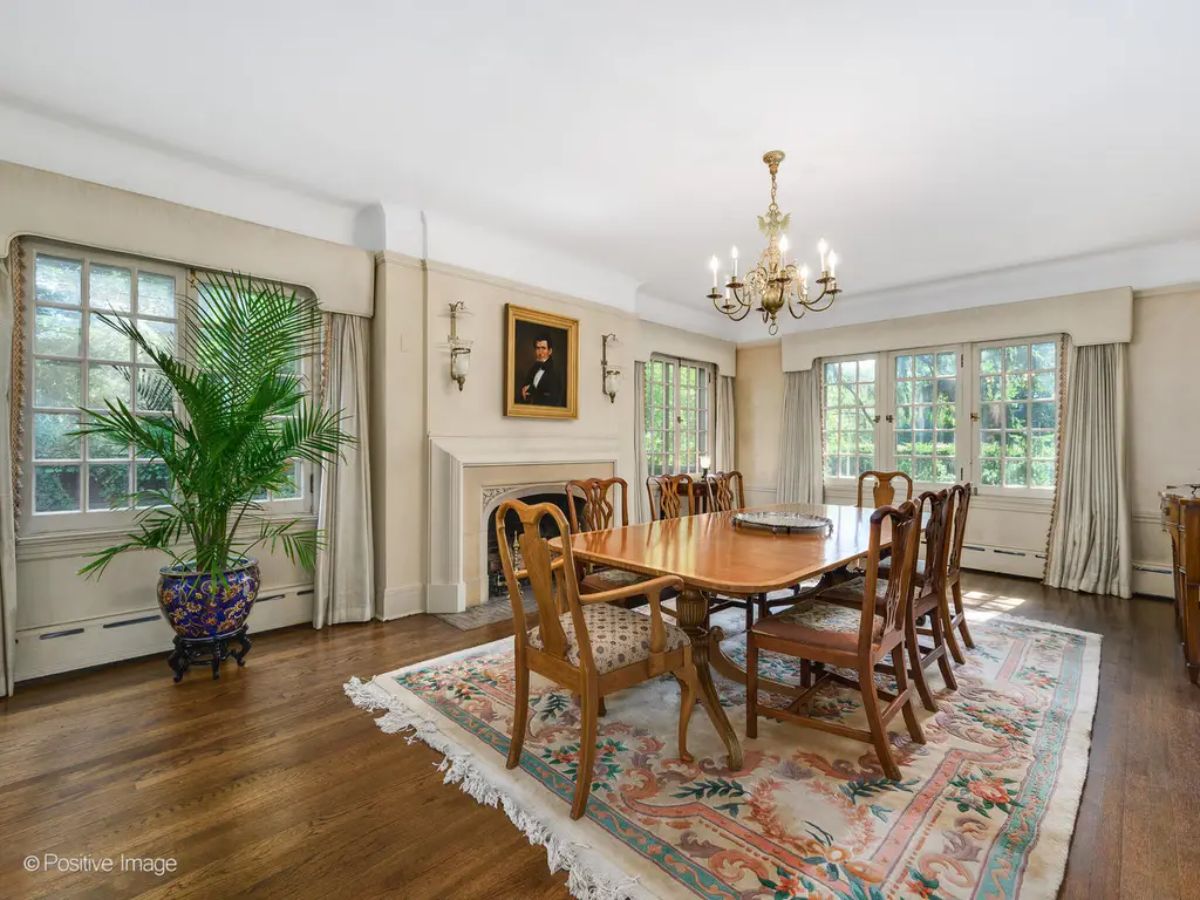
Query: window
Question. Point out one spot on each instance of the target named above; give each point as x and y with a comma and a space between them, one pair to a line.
678, 410
76, 360
1018, 414
850, 417
1006, 391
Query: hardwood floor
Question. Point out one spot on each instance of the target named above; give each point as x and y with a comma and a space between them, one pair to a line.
270, 783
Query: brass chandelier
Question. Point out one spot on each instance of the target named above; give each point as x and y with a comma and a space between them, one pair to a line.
775, 282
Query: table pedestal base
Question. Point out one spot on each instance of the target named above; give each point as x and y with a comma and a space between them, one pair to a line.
692, 608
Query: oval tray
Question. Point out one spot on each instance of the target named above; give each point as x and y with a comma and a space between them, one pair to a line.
783, 522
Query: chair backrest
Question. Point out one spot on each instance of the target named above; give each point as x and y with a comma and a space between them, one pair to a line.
599, 508
960, 504
667, 493
551, 574
939, 535
726, 491
883, 492
893, 606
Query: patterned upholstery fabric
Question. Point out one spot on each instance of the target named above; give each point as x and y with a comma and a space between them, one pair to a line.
618, 637
818, 624
609, 580
850, 593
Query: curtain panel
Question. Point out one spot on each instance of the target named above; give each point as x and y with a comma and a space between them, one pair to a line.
10, 411
723, 459
1090, 541
801, 479
345, 575
640, 512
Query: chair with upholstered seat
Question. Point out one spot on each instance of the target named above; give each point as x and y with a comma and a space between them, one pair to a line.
883, 492
585, 643
834, 634
605, 505
667, 494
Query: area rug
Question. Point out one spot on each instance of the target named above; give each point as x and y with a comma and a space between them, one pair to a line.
985, 808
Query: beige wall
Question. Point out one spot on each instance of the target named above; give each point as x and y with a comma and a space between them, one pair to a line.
758, 399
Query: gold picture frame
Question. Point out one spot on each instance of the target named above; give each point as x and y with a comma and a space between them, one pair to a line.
541, 375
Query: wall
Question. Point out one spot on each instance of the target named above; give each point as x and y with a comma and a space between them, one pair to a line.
758, 399
1162, 437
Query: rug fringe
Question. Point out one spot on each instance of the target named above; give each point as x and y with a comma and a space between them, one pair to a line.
583, 882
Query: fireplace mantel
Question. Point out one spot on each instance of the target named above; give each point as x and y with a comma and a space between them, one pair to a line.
449, 457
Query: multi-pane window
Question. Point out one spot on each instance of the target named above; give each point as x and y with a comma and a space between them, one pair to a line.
926, 415
1018, 414
78, 360
994, 423
849, 417
678, 413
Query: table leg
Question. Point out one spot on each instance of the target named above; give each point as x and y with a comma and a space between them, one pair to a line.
692, 608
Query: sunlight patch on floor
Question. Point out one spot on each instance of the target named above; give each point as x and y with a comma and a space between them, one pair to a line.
983, 606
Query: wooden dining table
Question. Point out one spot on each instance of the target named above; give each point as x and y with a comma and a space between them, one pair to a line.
713, 556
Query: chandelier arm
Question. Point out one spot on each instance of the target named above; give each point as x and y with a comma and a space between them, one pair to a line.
813, 306
792, 308
737, 317
738, 294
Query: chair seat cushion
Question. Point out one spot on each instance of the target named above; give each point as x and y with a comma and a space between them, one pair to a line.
850, 593
609, 580
619, 637
885, 568
818, 624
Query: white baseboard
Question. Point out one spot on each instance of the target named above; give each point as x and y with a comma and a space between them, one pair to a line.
395, 603
1152, 579
82, 643
1004, 560
760, 496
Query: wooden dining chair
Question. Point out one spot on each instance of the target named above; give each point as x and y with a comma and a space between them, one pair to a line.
956, 617
883, 492
816, 630
584, 643
726, 490
667, 493
605, 504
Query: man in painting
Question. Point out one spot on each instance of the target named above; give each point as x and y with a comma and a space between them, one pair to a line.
543, 386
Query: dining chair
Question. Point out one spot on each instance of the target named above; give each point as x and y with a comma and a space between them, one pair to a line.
605, 504
726, 490
816, 630
667, 493
883, 493
956, 618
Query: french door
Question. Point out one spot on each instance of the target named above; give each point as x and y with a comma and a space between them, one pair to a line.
678, 414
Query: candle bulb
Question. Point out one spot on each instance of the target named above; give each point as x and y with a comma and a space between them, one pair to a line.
833, 261
734, 254
713, 264
783, 249
823, 248
804, 276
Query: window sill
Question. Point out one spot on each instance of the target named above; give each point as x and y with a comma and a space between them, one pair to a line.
68, 544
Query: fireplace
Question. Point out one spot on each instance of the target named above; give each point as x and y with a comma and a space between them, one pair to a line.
496, 586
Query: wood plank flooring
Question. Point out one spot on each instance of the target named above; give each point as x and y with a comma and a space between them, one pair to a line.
269, 783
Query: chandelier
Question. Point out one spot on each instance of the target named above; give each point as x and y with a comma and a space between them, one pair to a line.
775, 282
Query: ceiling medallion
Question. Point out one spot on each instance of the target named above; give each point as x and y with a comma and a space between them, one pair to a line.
775, 282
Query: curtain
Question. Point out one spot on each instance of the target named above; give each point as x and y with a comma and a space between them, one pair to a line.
723, 459
345, 577
10, 402
1090, 544
640, 513
801, 479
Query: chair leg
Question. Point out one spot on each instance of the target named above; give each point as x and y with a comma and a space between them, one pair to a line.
936, 625
961, 615
751, 686
805, 673
749, 613
918, 671
687, 702
909, 712
520, 716
879, 737
587, 750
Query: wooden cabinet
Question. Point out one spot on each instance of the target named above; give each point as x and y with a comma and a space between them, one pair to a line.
1181, 521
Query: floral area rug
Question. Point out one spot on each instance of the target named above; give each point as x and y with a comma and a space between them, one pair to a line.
985, 808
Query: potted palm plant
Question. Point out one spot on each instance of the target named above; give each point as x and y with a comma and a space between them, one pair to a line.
235, 417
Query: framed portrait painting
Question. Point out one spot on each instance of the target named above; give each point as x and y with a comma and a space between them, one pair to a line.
541, 365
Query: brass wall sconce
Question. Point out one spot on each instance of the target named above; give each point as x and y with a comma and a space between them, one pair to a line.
460, 349
611, 374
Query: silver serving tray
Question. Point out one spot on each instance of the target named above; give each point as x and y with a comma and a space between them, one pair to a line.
784, 522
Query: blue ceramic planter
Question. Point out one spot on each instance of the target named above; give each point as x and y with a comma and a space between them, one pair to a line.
198, 606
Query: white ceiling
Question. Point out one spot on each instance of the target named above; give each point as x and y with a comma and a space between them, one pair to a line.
924, 140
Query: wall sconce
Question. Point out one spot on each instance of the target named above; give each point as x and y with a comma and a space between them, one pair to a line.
611, 374
460, 349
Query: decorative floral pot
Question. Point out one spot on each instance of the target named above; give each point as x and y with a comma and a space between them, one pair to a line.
198, 606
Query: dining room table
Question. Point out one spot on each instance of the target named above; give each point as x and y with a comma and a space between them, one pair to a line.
715, 556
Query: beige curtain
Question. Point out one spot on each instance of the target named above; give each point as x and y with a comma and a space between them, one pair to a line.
1090, 543
345, 577
9, 401
801, 479
723, 459
640, 512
